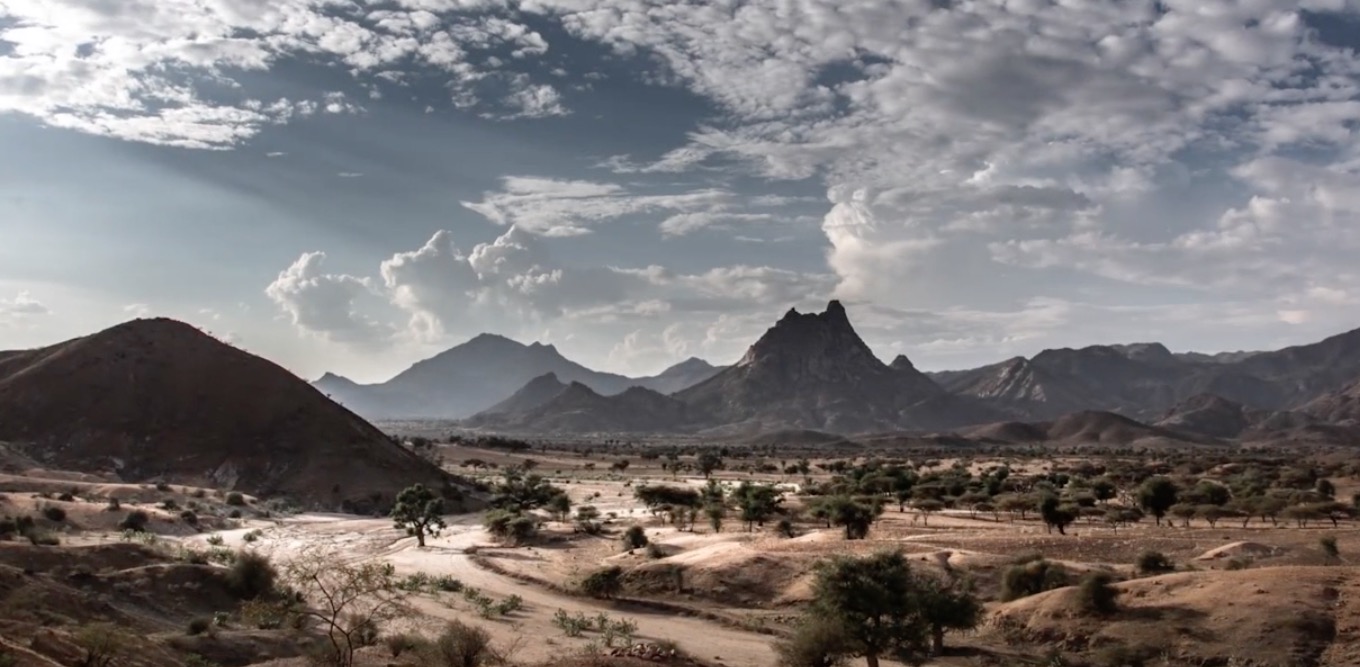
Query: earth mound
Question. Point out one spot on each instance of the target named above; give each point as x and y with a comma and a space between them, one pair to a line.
159, 400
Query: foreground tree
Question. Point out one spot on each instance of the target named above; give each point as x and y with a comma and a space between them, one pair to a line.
419, 512
874, 599
945, 606
350, 601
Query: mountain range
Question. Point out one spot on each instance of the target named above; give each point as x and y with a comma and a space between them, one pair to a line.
812, 371
484, 371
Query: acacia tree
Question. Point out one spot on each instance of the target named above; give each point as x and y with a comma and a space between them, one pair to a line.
1157, 495
348, 600
419, 512
854, 516
707, 462
945, 606
874, 600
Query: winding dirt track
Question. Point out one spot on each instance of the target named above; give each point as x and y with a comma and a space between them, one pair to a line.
531, 628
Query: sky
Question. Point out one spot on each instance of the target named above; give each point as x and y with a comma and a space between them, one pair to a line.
353, 185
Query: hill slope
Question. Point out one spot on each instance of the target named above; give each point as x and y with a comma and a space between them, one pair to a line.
160, 400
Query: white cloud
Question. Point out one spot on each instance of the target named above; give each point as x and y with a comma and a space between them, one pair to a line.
137, 310
137, 69
22, 306
326, 304
554, 207
514, 286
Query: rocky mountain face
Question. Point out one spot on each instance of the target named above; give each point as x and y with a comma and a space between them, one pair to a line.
1340, 407
1146, 380
475, 376
809, 371
160, 400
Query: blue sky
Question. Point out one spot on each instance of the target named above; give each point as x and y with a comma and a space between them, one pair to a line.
350, 186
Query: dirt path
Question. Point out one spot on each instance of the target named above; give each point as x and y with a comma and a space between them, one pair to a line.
532, 627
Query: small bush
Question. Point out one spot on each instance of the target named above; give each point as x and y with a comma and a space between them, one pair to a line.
234, 514
251, 576
1329, 547
198, 626
655, 552
215, 540
403, 642
1238, 563
54, 513
634, 538
67, 497
170, 505
459, 645
189, 516
252, 536
1151, 562
1030, 578
785, 529
135, 521
163, 487
42, 538
603, 583
235, 499
102, 644
1097, 595
817, 642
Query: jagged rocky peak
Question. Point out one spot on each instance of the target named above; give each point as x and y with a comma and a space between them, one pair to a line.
902, 363
799, 339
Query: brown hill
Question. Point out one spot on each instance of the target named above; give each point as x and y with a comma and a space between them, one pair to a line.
579, 409
160, 400
1108, 428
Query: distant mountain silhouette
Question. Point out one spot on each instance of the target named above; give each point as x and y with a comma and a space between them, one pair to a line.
157, 399
476, 375
809, 371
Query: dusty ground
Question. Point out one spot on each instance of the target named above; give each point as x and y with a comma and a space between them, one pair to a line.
724, 596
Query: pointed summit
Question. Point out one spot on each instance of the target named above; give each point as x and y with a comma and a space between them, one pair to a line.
902, 363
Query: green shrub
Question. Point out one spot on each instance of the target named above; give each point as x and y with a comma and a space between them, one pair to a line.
785, 529
189, 516
1032, 577
236, 499
1097, 595
198, 625
215, 540
603, 583
67, 497
251, 576
170, 505
54, 513
1151, 562
163, 487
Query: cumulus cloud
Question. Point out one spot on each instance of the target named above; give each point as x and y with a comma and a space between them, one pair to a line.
514, 285
325, 304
